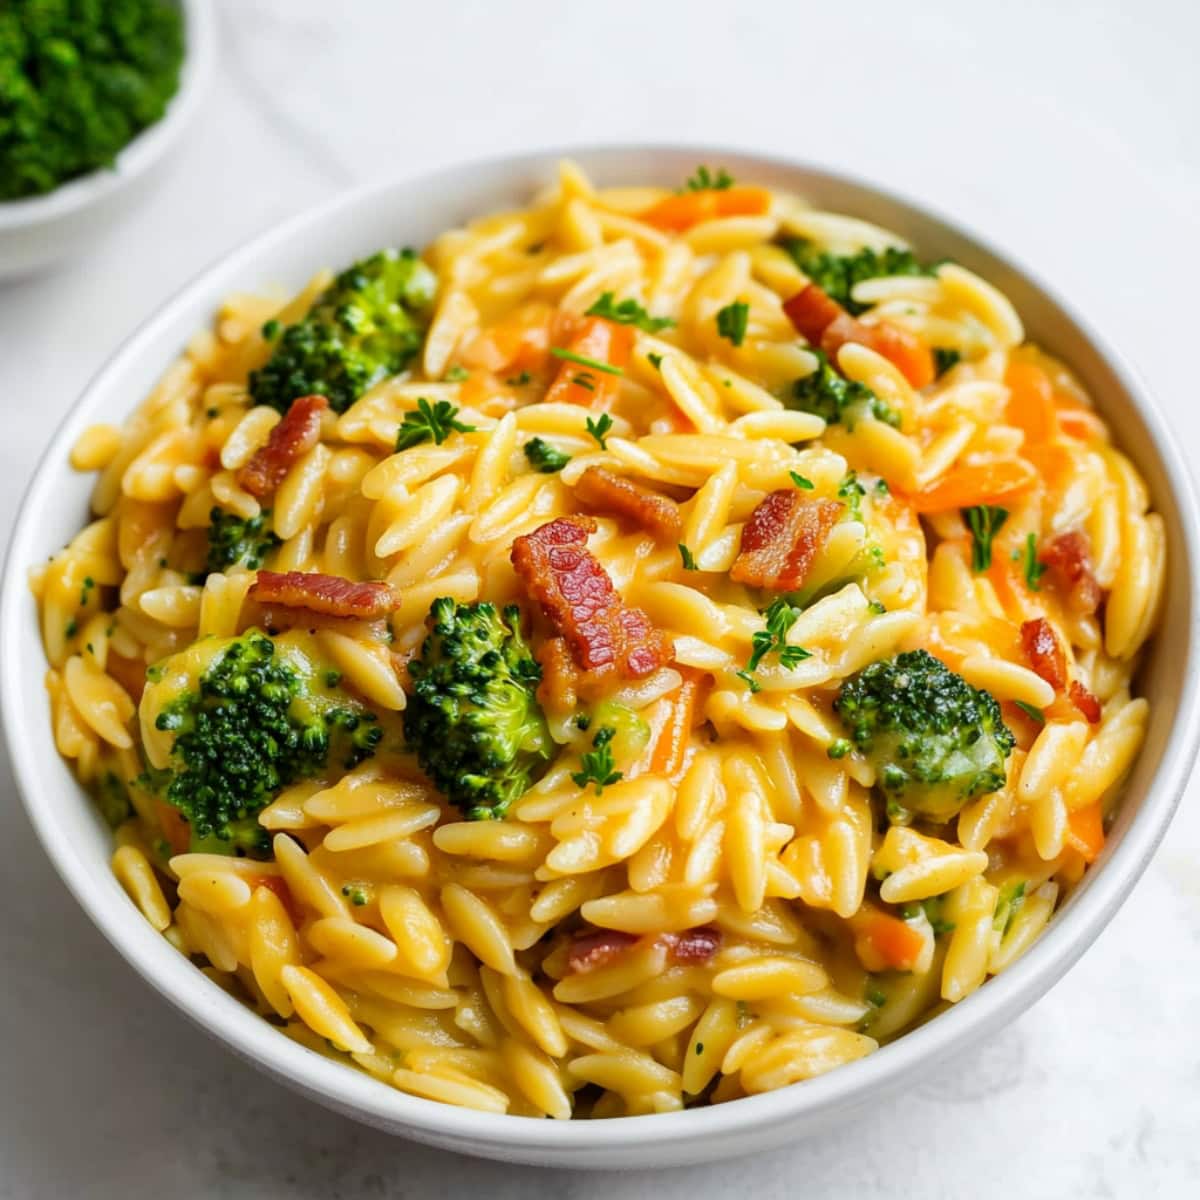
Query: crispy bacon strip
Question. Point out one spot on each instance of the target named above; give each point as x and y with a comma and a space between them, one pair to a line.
825, 323
292, 438
579, 600
327, 594
609, 492
782, 538
1045, 652
597, 949
693, 947
1069, 560
1085, 702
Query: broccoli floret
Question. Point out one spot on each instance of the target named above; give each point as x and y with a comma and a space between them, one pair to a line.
836, 274
247, 717
934, 740
367, 325
835, 399
473, 719
234, 541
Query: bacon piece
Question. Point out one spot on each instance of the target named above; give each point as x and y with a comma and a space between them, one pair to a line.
328, 594
825, 323
597, 949
1045, 652
693, 947
275, 618
654, 512
579, 600
1069, 560
1085, 702
292, 438
782, 538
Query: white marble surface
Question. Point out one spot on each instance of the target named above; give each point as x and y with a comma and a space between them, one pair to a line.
1071, 130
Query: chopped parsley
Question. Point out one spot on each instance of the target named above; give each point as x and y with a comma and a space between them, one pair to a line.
457, 373
851, 492
88, 584
772, 639
584, 361
332, 678
655, 360
944, 358
689, 559
732, 321
585, 379
429, 422
270, 330
628, 312
519, 380
599, 429
1034, 570
1031, 711
544, 457
984, 521
598, 763
704, 180
875, 996
801, 481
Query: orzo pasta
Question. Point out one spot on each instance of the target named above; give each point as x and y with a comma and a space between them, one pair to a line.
648, 649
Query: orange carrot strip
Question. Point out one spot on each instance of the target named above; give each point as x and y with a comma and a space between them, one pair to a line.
677, 213
603, 342
175, 828
905, 351
671, 746
519, 342
1030, 402
894, 941
1085, 831
979, 483
1053, 461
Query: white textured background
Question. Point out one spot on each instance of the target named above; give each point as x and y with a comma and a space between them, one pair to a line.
1069, 130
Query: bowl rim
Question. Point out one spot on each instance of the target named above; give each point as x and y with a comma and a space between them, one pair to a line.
146, 147
1075, 927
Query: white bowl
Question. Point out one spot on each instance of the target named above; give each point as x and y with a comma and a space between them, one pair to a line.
40, 230
412, 211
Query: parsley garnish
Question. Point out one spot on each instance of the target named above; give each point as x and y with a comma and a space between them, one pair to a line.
457, 373
704, 180
72, 628
801, 481
88, 584
585, 380
628, 312
1031, 711
544, 457
598, 763
655, 360
584, 361
943, 359
430, 422
519, 380
1034, 570
270, 330
689, 559
780, 617
333, 678
851, 492
875, 996
598, 429
984, 521
732, 321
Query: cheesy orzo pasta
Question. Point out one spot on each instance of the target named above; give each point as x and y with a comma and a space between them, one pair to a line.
647, 650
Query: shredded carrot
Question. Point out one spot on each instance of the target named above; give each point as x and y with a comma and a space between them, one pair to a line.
680, 212
1085, 831
519, 342
671, 747
907, 352
479, 387
600, 341
978, 483
1030, 402
175, 828
885, 937
1053, 460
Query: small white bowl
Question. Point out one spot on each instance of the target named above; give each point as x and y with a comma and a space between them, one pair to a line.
412, 211
41, 230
